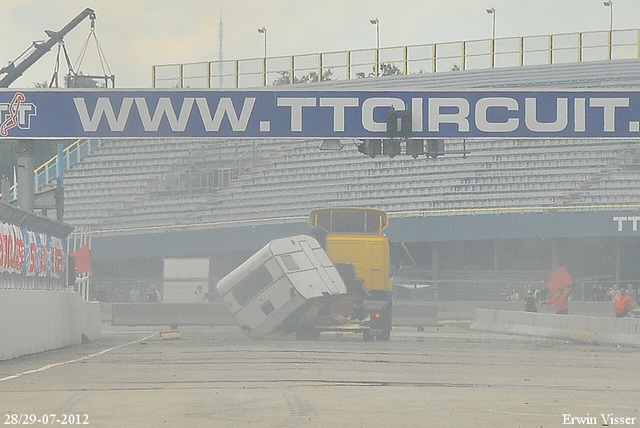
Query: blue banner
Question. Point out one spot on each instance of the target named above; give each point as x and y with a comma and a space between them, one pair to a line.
316, 114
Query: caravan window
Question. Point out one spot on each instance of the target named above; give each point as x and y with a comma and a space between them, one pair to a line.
253, 284
290, 263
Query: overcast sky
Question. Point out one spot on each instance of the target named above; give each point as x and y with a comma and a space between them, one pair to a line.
136, 34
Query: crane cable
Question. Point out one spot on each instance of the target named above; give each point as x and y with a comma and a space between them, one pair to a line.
101, 56
54, 79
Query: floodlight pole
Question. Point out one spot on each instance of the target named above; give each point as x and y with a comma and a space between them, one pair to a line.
609, 4
263, 30
492, 12
376, 22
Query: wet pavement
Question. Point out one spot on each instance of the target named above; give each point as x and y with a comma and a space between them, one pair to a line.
216, 377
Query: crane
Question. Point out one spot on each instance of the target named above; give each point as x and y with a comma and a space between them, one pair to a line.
38, 49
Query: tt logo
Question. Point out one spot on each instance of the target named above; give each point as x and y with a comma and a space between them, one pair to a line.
16, 114
622, 220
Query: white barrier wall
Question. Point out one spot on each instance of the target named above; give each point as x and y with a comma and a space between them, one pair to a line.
617, 331
33, 321
457, 310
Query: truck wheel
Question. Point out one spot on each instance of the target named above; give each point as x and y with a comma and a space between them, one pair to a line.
367, 336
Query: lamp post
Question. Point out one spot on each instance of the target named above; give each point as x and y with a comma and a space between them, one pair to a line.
492, 12
263, 30
376, 22
609, 4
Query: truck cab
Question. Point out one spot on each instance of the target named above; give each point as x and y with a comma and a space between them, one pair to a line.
354, 241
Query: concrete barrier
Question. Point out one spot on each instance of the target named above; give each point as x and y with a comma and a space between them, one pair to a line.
105, 311
170, 314
615, 331
458, 310
33, 321
465, 310
91, 322
216, 313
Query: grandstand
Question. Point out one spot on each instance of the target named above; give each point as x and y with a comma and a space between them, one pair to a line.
144, 197
167, 185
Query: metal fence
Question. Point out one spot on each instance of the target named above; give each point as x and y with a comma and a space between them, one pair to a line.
205, 170
72, 154
46, 174
410, 59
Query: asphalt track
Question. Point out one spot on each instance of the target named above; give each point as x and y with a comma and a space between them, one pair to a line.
216, 377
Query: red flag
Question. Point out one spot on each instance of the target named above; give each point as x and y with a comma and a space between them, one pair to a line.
559, 279
83, 259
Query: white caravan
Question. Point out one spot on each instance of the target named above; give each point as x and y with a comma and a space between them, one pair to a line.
272, 291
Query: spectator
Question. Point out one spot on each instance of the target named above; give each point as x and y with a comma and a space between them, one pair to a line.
153, 295
134, 294
613, 293
633, 296
531, 299
623, 304
561, 300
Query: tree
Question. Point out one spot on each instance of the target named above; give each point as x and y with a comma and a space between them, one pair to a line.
389, 69
285, 78
384, 69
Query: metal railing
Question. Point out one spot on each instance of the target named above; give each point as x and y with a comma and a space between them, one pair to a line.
410, 59
203, 171
47, 173
72, 154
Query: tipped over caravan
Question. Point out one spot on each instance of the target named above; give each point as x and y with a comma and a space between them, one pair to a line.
280, 286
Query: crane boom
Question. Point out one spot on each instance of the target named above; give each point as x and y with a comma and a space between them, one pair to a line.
13, 71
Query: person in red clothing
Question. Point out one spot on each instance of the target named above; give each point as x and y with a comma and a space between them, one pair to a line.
561, 299
623, 304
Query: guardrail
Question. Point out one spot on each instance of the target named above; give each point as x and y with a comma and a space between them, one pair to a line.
46, 173
410, 59
72, 154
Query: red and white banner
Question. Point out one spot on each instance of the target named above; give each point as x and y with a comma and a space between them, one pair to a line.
24, 252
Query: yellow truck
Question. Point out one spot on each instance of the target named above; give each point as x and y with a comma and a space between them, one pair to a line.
337, 280
354, 241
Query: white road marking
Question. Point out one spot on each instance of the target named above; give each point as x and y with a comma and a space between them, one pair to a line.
86, 357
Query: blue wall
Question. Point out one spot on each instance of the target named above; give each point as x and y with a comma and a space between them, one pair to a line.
409, 229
